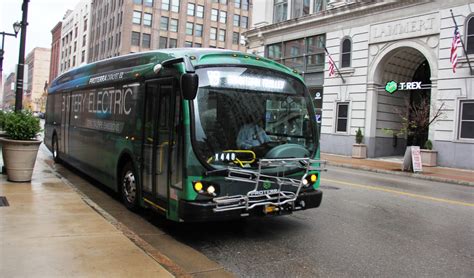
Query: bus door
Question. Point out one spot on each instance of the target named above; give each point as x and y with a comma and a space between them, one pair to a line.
158, 141
65, 120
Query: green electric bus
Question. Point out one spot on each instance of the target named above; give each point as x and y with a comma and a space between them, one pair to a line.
161, 129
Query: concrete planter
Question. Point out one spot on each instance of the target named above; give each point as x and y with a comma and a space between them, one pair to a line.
359, 151
19, 158
429, 157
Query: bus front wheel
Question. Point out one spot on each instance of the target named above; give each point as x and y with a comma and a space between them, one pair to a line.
128, 186
55, 147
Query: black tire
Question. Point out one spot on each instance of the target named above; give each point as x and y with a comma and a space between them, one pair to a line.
128, 185
55, 149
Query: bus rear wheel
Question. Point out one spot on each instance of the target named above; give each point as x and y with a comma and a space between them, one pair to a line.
55, 147
128, 186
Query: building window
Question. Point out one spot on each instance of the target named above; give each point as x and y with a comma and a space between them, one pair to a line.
173, 43
235, 38
198, 30
274, 51
146, 38
244, 22
148, 3
245, 5
147, 19
236, 20
346, 53
175, 6
224, 2
200, 11
197, 44
341, 118
191, 9
221, 35
213, 33
138, 2
84, 39
137, 17
320, 5
466, 130
162, 42
83, 56
174, 25
165, 5
300, 8
237, 4
470, 36
188, 44
85, 24
214, 14
164, 23
294, 54
189, 28
222, 17
315, 54
280, 10
136, 38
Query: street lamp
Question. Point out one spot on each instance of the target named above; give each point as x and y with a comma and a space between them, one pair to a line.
16, 28
21, 57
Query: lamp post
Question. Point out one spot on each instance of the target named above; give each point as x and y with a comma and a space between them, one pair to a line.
21, 58
16, 28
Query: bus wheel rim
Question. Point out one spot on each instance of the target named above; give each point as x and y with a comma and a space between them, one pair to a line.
129, 187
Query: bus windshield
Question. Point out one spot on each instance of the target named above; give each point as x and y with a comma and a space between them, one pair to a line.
241, 115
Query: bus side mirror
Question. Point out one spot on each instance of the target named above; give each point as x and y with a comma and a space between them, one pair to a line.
189, 85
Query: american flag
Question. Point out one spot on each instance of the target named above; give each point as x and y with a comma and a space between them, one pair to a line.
454, 49
331, 66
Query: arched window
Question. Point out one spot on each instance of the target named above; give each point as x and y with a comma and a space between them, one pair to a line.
470, 36
346, 53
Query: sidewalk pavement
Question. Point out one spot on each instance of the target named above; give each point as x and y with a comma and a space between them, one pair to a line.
48, 230
440, 174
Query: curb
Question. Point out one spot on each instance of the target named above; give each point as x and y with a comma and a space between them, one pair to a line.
406, 174
152, 252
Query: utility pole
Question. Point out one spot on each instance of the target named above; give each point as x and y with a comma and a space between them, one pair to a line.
21, 58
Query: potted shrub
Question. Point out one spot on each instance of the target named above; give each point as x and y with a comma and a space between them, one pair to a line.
20, 146
359, 150
428, 155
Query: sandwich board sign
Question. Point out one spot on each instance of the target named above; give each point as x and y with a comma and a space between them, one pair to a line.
412, 160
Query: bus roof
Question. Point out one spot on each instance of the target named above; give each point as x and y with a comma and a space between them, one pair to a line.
136, 65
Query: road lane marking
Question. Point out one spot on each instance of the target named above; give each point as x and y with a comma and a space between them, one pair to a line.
379, 188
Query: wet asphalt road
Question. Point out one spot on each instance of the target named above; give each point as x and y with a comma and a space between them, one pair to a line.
369, 224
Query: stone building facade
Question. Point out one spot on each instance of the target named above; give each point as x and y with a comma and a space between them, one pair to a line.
373, 43
37, 61
121, 27
55, 52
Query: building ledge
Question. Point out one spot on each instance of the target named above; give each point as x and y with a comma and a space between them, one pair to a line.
347, 71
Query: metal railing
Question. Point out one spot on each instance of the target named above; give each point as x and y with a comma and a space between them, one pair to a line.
266, 196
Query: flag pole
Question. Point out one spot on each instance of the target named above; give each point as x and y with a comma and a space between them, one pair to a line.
337, 69
327, 52
462, 42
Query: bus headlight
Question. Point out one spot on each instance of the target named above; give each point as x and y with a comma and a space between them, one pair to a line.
309, 179
206, 188
211, 189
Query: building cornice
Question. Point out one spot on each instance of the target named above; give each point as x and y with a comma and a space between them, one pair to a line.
351, 11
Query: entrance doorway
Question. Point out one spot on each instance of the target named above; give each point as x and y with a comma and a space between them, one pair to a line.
400, 114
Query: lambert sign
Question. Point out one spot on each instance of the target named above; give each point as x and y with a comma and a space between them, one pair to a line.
393, 86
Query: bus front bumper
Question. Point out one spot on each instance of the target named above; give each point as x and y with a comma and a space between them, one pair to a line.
192, 211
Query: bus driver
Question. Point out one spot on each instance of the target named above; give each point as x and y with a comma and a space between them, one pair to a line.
252, 136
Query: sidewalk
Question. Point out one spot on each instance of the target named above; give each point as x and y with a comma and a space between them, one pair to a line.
48, 230
441, 174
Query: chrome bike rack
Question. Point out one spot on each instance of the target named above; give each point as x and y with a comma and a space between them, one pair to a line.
261, 197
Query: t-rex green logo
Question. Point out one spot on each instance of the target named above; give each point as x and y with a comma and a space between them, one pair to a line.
391, 87
266, 185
